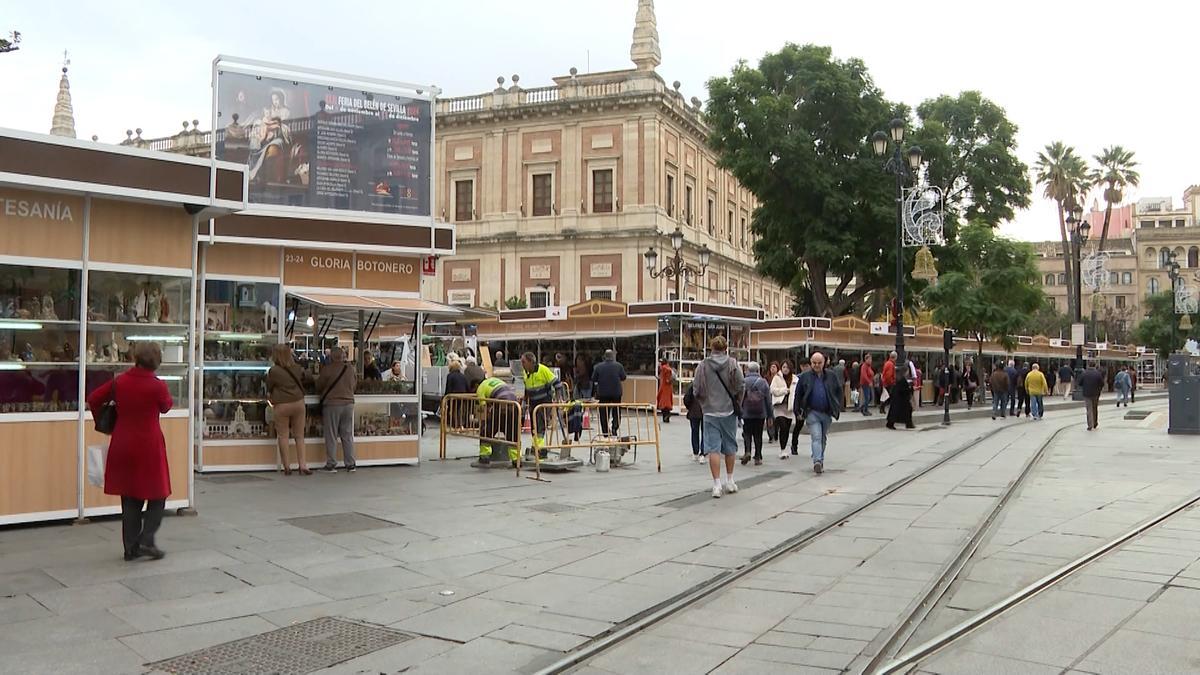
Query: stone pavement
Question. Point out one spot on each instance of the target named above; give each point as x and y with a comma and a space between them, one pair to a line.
493, 573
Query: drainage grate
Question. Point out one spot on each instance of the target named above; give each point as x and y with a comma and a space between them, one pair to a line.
340, 523
302, 648
551, 507
702, 497
233, 478
1137, 414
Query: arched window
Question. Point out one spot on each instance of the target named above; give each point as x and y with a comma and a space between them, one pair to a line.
1151, 254
1193, 258
1062, 279
1164, 257
1152, 286
1049, 279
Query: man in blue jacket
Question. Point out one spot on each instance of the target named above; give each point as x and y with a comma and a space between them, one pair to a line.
1012, 373
818, 402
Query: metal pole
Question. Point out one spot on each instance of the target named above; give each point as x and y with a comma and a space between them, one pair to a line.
1174, 332
899, 171
1077, 390
946, 394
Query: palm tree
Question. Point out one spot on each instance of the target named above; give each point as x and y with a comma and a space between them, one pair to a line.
1064, 176
1115, 169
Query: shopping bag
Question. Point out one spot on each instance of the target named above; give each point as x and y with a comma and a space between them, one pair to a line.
97, 456
854, 397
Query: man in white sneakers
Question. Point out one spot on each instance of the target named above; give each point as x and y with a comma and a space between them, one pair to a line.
818, 403
718, 386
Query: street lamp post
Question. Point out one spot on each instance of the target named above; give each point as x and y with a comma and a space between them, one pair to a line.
897, 167
677, 268
1079, 234
1173, 273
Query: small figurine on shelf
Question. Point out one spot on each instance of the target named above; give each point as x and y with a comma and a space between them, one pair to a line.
92, 356
35, 309
117, 304
6, 352
139, 311
270, 317
164, 310
153, 306
239, 426
27, 353
68, 352
48, 312
8, 309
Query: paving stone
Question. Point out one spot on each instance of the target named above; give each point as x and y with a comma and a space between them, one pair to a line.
816, 565
741, 664
782, 639
26, 581
730, 634
466, 620
1088, 608
116, 569
205, 607
1115, 588
805, 657
1046, 640
853, 617
818, 628
77, 657
21, 608
655, 655
1130, 651
183, 584
261, 573
394, 659
538, 637
964, 662
86, 598
294, 615
1175, 613
367, 582
484, 655
565, 624
545, 589
164, 644
77, 628
839, 645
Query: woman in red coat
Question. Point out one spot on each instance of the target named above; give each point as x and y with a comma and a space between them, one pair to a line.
136, 469
666, 390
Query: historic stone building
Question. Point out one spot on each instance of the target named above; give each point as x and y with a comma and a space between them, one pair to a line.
558, 191
1137, 263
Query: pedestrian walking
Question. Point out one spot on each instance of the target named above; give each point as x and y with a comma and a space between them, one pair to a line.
818, 403
719, 385
783, 392
756, 409
1065, 380
888, 380
772, 371
853, 398
970, 379
335, 386
866, 383
1036, 388
542, 387
695, 416
1022, 392
999, 384
607, 378
1012, 373
1123, 386
583, 378
840, 371
1092, 384
665, 400
136, 467
1133, 381
474, 373
285, 391
1051, 379
901, 408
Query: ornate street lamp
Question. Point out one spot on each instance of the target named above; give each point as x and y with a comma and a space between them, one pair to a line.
1173, 273
1080, 229
676, 268
903, 171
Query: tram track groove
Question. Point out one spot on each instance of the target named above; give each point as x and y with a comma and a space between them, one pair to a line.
634, 625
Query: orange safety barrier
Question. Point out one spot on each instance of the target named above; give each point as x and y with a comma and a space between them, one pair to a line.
637, 424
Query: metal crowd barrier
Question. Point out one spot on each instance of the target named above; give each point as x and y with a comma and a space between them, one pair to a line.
638, 426
494, 421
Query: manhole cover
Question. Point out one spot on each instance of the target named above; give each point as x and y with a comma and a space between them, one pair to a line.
1137, 414
302, 648
233, 478
339, 523
550, 507
743, 483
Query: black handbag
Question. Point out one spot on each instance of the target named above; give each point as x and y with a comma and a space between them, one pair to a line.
106, 417
321, 404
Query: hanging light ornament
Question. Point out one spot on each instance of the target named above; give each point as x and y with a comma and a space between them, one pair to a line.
925, 266
1185, 324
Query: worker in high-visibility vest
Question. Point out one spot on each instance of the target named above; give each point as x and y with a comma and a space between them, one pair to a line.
494, 419
541, 386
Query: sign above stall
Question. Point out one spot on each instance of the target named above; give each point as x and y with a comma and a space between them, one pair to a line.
347, 270
387, 273
320, 141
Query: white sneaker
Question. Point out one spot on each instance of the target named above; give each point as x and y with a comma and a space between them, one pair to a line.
716, 493
783, 455
731, 488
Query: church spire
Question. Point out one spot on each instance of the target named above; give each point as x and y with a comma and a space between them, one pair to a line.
63, 123
645, 52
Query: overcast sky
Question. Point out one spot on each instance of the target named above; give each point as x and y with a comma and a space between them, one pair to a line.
1087, 73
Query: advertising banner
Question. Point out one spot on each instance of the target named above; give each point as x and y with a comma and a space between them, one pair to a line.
326, 147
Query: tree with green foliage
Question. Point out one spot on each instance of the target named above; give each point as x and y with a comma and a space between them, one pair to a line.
515, 302
994, 296
1064, 177
795, 131
1155, 331
1115, 170
10, 44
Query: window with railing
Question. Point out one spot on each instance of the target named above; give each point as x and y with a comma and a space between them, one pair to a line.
687, 204
543, 184
712, 217
670, 196
602, 191
539, 299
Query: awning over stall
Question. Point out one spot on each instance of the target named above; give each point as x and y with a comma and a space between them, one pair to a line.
374, 303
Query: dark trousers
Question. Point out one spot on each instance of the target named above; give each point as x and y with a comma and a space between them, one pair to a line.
138, 527
697, 426
970, 397
783, 425
607, 413
666, 414
752, 433
1023, 401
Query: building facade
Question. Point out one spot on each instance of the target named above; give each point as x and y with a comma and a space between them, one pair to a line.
558, 191
1138, 257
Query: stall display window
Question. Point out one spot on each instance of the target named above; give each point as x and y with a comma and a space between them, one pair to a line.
241, 325
373, 420
39, 339
638, 354
694, 342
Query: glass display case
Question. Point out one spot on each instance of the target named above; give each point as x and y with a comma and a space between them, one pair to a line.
39, 339
126, 308
241, 326
372, 419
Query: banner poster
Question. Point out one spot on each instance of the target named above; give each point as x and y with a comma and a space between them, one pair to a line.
320, 146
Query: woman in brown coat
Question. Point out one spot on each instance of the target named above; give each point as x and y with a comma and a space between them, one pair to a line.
285, 390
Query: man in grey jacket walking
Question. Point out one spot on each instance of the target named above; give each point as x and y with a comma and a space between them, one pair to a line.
718, 386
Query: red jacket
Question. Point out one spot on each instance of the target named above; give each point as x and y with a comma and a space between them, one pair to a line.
866, 377
666, 392
889, 373
137, 453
